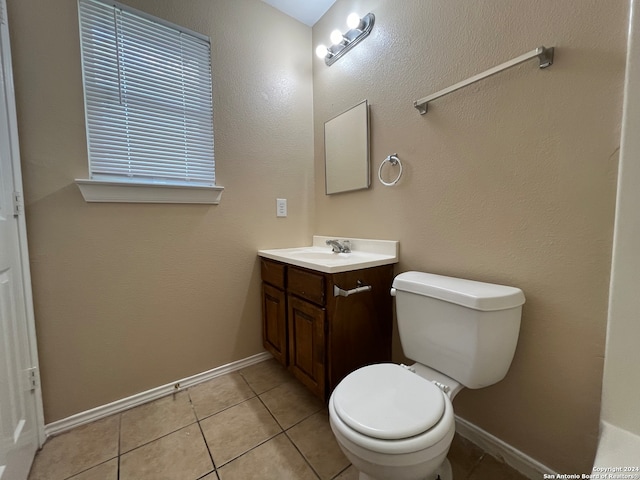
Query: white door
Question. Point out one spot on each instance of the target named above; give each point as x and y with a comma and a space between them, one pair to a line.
19, 395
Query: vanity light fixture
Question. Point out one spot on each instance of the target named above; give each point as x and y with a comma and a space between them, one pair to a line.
359, 28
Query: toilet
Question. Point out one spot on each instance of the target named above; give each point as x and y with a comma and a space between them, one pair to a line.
396, 422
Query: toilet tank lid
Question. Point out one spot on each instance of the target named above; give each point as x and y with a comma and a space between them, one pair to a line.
468, 293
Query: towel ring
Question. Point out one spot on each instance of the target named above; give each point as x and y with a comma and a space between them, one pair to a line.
393, 160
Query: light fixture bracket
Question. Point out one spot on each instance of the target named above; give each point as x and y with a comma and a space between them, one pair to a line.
351, 39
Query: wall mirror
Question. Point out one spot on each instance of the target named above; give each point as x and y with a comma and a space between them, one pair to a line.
346, 150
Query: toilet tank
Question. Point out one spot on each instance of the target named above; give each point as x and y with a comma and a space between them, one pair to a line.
465, 329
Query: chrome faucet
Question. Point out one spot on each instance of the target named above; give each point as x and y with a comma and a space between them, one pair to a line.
338, 246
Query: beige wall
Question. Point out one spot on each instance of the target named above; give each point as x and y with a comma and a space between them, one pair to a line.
511, 181
131, 296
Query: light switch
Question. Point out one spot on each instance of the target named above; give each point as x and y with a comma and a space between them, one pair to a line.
281, 207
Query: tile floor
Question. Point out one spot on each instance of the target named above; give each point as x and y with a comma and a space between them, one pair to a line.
258, 423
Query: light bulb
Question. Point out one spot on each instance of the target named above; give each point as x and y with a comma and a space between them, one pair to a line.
353, 20
321, 51
336, 36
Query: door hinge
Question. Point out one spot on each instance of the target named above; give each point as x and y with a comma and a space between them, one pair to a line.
18, 204
33, 380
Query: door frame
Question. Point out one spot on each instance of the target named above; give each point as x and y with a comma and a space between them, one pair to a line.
14, 146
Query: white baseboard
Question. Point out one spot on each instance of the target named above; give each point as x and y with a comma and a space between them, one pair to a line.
495, 447
123, 404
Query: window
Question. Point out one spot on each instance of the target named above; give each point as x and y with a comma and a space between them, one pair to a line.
148, 104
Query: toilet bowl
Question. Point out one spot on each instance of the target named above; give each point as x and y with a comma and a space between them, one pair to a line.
395, 422
401, 432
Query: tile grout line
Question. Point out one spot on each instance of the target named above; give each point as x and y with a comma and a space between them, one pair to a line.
341, 471
121, 453
252, 448
198, 419
276, 420
283, 430
264, 404
302, 454
117, 458
87, 469
158, 438
119, 444
292, 380
300, 451
256, 395
204, 439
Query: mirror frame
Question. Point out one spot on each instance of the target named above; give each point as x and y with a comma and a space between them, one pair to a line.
342, 134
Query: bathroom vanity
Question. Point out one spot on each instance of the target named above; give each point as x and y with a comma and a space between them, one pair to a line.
326, 314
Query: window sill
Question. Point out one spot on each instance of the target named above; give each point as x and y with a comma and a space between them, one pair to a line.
125, 192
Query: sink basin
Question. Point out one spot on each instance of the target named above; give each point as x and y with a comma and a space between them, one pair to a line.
318, 253
364, 254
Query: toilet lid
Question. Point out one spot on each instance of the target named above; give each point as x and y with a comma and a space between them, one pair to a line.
387, 401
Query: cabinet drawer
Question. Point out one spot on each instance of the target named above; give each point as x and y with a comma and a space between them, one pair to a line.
273, 273
307, 285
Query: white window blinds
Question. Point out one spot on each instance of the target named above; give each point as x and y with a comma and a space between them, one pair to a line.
148, 101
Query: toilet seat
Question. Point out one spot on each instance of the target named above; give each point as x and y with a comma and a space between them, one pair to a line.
389, 402
439, 433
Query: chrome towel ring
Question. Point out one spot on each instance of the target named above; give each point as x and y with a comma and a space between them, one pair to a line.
393, 160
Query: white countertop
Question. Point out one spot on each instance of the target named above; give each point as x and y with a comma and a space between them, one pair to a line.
365, 253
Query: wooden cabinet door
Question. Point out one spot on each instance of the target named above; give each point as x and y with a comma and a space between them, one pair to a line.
274, 322
307, 344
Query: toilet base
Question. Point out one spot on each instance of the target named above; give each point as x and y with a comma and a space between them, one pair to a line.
444, 472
